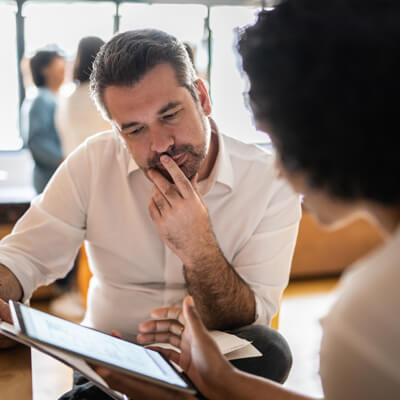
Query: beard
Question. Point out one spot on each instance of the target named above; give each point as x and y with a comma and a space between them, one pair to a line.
194, 155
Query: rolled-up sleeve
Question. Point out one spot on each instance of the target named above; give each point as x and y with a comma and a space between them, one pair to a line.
265, 260
44, 242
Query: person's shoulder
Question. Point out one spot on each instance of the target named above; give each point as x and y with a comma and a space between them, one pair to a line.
103, 139
98, 149
80, 91
251, 154
378, 269
41, 107
47, 95
243, 150
43, 99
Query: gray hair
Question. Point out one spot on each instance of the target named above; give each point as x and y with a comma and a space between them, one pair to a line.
128, 56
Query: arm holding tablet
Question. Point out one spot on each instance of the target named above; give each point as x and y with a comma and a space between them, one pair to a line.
207, 368
56, 336
10, 288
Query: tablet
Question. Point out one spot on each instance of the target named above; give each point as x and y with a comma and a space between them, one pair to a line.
97, 347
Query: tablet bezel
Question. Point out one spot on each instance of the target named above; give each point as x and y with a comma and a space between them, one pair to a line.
20, 324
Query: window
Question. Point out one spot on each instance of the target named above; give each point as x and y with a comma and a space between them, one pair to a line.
9, 136
227, 84
64, 24
60, 26
185, 21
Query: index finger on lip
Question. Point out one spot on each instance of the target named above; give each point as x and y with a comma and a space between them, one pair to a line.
180, 179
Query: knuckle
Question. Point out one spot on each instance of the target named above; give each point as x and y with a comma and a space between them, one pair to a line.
170, 191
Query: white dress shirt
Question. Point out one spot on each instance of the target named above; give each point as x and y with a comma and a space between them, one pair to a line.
100, 195
77, 118
360, 349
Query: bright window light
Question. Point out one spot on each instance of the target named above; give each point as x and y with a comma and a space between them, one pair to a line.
185, 21
9, 137
227, 84
64, 24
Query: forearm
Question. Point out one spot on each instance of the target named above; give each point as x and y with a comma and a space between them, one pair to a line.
222, 298
10, 288
245, 386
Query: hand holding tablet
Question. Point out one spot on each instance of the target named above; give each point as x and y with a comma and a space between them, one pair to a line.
98, 348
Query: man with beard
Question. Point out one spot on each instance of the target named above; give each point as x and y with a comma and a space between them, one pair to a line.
167, 206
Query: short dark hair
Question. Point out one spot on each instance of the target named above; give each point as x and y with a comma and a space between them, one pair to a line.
190, 51
325, 77
88, 48
39, 62
128, 56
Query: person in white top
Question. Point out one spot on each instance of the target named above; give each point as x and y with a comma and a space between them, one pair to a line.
324, 82
77, 116
167, 206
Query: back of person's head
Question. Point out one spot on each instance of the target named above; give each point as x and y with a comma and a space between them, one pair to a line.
88, 48
128, 56
325, 78
41, 60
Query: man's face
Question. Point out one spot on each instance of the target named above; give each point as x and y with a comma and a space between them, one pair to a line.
157, 116
54, 72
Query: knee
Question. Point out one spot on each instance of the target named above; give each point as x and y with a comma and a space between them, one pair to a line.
277, 358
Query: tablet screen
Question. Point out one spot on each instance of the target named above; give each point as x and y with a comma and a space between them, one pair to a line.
97, 346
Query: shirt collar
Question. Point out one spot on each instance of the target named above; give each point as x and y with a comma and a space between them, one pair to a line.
132, 166
222, 171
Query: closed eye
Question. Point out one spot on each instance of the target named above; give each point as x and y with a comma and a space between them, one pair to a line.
171, 116
136, 131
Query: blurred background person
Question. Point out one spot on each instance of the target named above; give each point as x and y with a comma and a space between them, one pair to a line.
77, 116
76, 119
47, 69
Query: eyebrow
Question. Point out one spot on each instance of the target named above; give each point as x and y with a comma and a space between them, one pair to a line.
168, 107
162, 110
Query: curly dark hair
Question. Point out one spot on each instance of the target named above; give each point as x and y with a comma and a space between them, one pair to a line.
128, 56
325, 76
88, 48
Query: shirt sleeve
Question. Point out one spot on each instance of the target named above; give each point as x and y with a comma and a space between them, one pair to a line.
44, 242
265, 260
43, 140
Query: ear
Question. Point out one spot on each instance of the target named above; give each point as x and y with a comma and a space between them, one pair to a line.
203, 97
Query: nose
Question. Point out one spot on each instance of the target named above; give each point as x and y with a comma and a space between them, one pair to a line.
161, 140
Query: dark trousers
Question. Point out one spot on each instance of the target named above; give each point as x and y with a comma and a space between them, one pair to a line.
274, 364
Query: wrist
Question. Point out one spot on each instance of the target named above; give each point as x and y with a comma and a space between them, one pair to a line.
224, 387
10, 287
208, 254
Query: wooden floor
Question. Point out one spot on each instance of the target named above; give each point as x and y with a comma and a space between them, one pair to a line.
304, 303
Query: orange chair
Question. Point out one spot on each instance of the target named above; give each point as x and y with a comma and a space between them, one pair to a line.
84, 274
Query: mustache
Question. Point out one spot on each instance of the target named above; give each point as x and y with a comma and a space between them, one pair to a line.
156, 163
